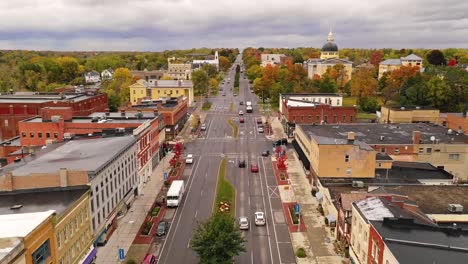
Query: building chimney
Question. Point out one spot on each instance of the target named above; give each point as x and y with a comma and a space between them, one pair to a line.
416, 137
350, 136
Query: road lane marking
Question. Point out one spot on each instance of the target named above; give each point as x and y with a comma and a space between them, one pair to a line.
188, 244
196, 213
264, 207
182, 211
251, 256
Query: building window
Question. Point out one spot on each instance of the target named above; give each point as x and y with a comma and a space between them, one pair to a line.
380, 164
346, 159
429, 150
31, 134
6, 123
39, 134
454, 156
42, 253
55, 135
317, 119
335, 119
294, 119
310, 118
325, 119
382, 150
337, 101
59, 240
348, 172
396, 150
302, 119
23, 134
351, 118
47, 135
421, 150
344, 119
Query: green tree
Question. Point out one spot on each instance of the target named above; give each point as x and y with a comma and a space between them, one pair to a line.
439, 92
254, 72
327, 85
210, 70
218, 240
436, 57
69, 67
200, 82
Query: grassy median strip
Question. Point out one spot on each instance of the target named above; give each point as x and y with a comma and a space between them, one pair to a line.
235, 129
225, 192
206, 106
236, 90
231, 107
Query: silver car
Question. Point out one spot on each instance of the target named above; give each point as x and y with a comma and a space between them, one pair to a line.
244, 223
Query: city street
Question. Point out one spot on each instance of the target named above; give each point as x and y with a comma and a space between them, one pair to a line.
254, 191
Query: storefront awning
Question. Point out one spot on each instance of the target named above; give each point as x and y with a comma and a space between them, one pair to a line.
89, 257
301, 154
319, 196
331, 218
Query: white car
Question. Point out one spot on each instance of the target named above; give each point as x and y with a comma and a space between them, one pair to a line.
203, 127
189, 159
259, 218
260, 130
241, 112
244, 223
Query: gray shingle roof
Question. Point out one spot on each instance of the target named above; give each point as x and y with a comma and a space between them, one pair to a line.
391, 62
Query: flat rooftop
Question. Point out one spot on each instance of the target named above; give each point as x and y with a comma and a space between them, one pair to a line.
40, 200
287, 95
43, 97
20, 225
410, 108
85, 120
370, 133
431, 199
7, 246
14, 142
421, 245
79, 155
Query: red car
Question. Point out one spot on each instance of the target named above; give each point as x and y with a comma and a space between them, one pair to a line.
254, 167
241, 120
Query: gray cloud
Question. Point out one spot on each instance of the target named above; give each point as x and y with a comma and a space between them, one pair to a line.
151, 25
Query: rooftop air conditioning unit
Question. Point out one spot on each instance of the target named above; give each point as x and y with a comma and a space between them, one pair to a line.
382, 138
55, 118
455, 208
358, 184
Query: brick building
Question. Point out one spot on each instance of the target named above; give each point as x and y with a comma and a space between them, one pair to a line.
17, 107
57, 125
296, 111
173, 110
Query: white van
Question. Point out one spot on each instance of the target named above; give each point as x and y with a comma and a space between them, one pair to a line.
175, 193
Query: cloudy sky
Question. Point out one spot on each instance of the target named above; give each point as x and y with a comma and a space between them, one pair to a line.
154, 25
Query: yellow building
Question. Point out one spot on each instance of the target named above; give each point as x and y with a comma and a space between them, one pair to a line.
142, 90
35, 231
329, 57
393, 64
62, 235
417, 114
333, 157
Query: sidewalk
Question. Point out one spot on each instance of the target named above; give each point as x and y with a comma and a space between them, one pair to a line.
129, 225
316, 241
186, 132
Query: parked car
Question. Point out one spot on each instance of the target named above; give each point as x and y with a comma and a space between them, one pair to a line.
242, 164
254, 167
203, 127
283, 141
235, 94
241, 120
241, 112
241, 102
244, 223
259, 218
162, 228
260, 130
266, 153
189, 159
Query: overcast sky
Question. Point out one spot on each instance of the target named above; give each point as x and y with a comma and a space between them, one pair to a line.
155, 25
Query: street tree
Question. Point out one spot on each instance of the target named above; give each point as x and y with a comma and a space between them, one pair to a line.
439, 92
218, 240
200, 82
224, 63
363, 83
210, 70
254, 72
436, 57
213, 83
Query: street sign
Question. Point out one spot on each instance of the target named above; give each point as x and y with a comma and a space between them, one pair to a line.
166, 176
121, 254
297, 208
